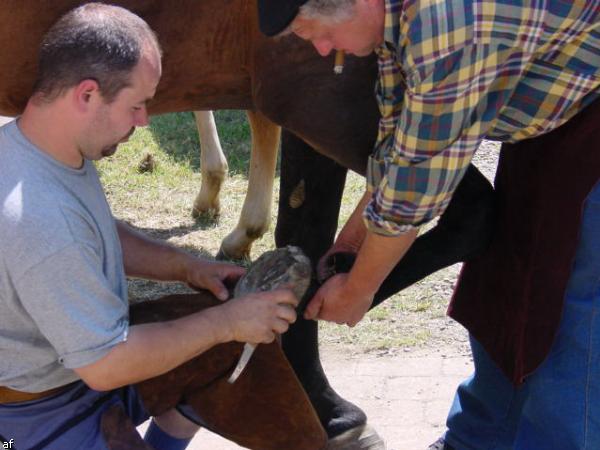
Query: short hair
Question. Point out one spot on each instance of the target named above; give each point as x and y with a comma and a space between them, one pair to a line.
330, 10
94, 41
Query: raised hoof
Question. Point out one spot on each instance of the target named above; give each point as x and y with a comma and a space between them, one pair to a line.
283, 267
363, 437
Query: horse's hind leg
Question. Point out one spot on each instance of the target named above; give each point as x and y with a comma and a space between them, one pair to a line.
256, 213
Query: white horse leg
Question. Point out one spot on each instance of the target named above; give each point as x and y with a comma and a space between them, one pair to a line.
213, 166
256, 212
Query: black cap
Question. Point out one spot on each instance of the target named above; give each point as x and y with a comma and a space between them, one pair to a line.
274, 16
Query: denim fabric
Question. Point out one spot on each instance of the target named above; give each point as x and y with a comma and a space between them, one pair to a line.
558, 406
66, 421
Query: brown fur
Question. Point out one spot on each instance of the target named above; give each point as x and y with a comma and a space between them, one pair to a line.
266, 408
215, 58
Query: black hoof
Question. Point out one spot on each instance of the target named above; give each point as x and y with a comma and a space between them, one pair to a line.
337, 415
363, 437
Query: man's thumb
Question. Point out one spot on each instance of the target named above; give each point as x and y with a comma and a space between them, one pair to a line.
314, 306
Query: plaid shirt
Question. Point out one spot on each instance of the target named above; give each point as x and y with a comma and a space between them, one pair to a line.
452, 72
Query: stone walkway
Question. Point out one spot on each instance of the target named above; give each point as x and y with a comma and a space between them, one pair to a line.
406, 396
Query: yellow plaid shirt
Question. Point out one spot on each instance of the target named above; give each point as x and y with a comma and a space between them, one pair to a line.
453, 72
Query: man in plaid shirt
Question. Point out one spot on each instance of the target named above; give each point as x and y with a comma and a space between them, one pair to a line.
451, 73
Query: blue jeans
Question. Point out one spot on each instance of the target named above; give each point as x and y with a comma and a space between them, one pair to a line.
66, 421
558, 406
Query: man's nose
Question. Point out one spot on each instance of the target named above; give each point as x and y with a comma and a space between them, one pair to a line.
323, 46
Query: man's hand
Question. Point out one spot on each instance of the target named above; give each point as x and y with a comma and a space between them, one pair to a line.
345, 298
326, 265
349, 240
212, 275
257, 318
336, 301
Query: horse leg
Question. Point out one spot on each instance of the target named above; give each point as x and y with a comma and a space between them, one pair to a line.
213, 166
309, 202
463, 231
256, 213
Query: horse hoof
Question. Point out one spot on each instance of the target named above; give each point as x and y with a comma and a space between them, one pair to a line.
243, 258
363, 437
283, 267
210, 215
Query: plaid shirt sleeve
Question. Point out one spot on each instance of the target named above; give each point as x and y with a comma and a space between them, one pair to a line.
429, 133
473, 69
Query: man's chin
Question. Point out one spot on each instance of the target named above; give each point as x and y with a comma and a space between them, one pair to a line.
362, 53
109, 151
367, 51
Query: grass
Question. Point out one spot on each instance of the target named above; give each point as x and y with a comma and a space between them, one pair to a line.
159, 203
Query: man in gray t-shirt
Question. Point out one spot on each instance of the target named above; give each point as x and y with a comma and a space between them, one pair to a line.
64, 324
63, 291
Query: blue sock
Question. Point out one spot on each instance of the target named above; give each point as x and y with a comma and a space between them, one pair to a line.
161, 440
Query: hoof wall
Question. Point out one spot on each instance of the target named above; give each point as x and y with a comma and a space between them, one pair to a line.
363, 437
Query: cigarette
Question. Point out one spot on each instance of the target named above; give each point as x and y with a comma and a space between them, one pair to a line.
338, 67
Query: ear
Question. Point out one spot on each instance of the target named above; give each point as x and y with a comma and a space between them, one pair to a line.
86, 94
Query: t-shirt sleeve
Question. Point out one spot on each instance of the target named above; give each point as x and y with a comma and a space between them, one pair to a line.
69, 298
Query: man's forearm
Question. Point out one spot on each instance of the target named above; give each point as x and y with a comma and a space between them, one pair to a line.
354, 230
144, 257
377, 257
155, 348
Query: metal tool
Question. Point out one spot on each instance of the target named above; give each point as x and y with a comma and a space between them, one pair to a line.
243, 362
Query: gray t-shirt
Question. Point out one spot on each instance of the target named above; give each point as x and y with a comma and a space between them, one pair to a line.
63, 291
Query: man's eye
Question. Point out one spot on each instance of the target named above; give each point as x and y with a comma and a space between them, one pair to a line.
137, 108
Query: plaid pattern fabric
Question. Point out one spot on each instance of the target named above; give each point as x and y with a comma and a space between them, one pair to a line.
453, 72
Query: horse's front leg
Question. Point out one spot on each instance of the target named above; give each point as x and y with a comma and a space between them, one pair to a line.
213, 166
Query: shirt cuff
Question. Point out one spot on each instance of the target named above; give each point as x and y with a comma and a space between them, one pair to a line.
81, 358
375, 172
375, 223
